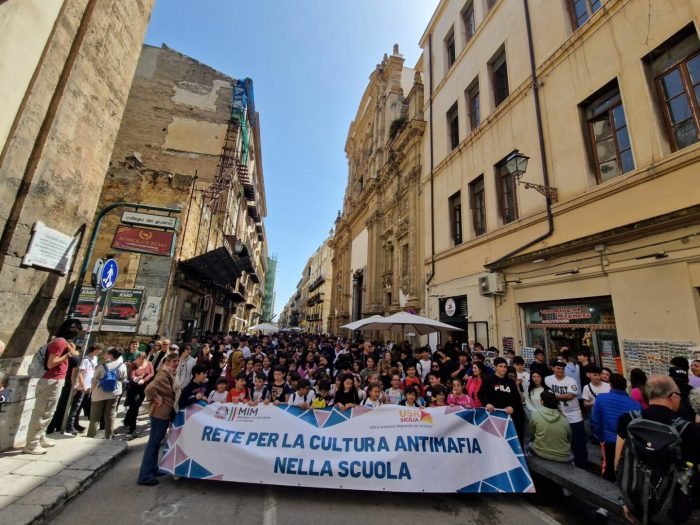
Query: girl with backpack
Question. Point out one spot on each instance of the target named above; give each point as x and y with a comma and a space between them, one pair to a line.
106, 389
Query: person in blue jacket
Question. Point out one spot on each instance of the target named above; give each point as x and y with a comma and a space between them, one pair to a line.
607, 411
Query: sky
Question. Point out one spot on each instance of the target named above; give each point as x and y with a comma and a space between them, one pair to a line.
310, 62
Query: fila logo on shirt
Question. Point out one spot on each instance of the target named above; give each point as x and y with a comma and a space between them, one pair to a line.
502, 388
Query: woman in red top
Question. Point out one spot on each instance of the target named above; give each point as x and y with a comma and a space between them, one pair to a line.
475, 381
140, 374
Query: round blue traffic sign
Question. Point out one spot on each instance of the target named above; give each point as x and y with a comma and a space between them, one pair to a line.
108, 277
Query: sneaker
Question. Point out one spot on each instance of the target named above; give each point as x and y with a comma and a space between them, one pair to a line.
71, 433
47, 443
35, 451
601, 513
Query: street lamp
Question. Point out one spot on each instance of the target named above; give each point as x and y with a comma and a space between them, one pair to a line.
516, 164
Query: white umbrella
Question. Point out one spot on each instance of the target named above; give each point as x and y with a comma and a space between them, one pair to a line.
360, 323
406, 322
265, 327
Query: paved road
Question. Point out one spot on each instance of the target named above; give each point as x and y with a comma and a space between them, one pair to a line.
117, 496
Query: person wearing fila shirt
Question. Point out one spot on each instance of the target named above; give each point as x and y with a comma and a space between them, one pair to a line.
499, 391
566, 389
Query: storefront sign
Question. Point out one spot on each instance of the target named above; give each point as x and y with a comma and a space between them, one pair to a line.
85, 304
453, 309
50, 249
122, 311
390, 448
142, 240
565, 314
147, 219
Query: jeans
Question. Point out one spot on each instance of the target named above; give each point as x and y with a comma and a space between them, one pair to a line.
578, 444
609, 461
149, 463
106, 408
134, 397
74, 412
47, 392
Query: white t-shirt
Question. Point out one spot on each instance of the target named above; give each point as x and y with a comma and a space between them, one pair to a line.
219, 397
87, 368
590, 391
372, 404
246, 351
525, 378
423, 367
569, 408
297, 400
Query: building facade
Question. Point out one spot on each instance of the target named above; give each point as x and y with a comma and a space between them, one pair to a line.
596, 243
67, 67
378, 247
316, 286
190, 140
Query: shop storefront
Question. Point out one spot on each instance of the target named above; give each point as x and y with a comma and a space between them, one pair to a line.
455, 311
576, 324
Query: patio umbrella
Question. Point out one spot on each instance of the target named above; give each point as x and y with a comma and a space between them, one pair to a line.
360, 323
406, 322
265, 327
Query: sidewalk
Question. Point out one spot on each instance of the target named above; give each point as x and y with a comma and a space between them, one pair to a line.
32, 487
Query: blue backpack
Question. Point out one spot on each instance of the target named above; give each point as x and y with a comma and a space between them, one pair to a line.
110, 380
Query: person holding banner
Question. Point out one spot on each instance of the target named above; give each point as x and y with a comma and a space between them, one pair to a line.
347, 396
161, 394
499, 391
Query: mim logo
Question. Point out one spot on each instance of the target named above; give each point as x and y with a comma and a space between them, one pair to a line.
242, 412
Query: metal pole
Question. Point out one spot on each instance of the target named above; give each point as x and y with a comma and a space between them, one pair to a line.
93, 238
88, 333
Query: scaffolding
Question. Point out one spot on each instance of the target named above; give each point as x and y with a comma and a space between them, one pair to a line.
269, 297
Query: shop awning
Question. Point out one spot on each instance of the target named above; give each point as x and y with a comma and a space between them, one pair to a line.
215, 265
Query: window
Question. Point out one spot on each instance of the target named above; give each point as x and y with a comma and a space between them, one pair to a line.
450, 48
490, 4
499, 74
473, 105
404, 260
469, 21
453, 126
507, 198
610, 142
582, 10
477, 198
676, 67
455, 206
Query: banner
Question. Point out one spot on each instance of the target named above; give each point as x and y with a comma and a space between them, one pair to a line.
390, 448
86, 303
122, 311
143, 240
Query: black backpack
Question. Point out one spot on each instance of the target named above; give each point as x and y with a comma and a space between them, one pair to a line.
652, 475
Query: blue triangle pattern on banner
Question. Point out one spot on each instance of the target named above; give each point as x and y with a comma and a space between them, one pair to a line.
334, 419
309, 417
480, 415
183, 469
179, 419
468, 416
516, 480
198, 471
520, 479
511, 433
295, 411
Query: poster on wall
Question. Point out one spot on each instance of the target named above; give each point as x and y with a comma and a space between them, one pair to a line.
85, 303
122, 310
150, 315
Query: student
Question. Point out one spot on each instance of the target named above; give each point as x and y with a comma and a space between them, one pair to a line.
566, 390
411, 378
412, 399
196, 390
474, 382
549, 431
433, 380
260, 391
323, 397
539, 365
303, 396
82, 386
279, 389
458, 397
424, 365
594, 387
184, 370
439, 396
239, 393
523, 377
374, 392
220, 392
394, 395
347, 396
499, 391
638, 380
104, 397
534, 392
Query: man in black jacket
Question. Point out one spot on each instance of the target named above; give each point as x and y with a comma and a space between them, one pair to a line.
499, 391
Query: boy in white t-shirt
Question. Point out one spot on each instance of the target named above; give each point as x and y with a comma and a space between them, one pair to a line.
304, 395
424, 366
566, 390
593, 389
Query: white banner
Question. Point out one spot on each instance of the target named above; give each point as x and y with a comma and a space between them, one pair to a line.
392, 448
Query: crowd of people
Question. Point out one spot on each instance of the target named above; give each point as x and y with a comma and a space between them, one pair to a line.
558, 406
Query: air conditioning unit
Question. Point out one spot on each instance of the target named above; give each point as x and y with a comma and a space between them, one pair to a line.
492, 284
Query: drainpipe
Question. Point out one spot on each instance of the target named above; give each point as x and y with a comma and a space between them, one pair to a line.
540, 136
432, 164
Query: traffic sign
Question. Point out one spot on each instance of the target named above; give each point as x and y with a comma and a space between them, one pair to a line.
108, 277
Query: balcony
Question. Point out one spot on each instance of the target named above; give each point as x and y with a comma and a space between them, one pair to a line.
317, 282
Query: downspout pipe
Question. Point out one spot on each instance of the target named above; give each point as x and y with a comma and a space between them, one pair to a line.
432, 163
540, 136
